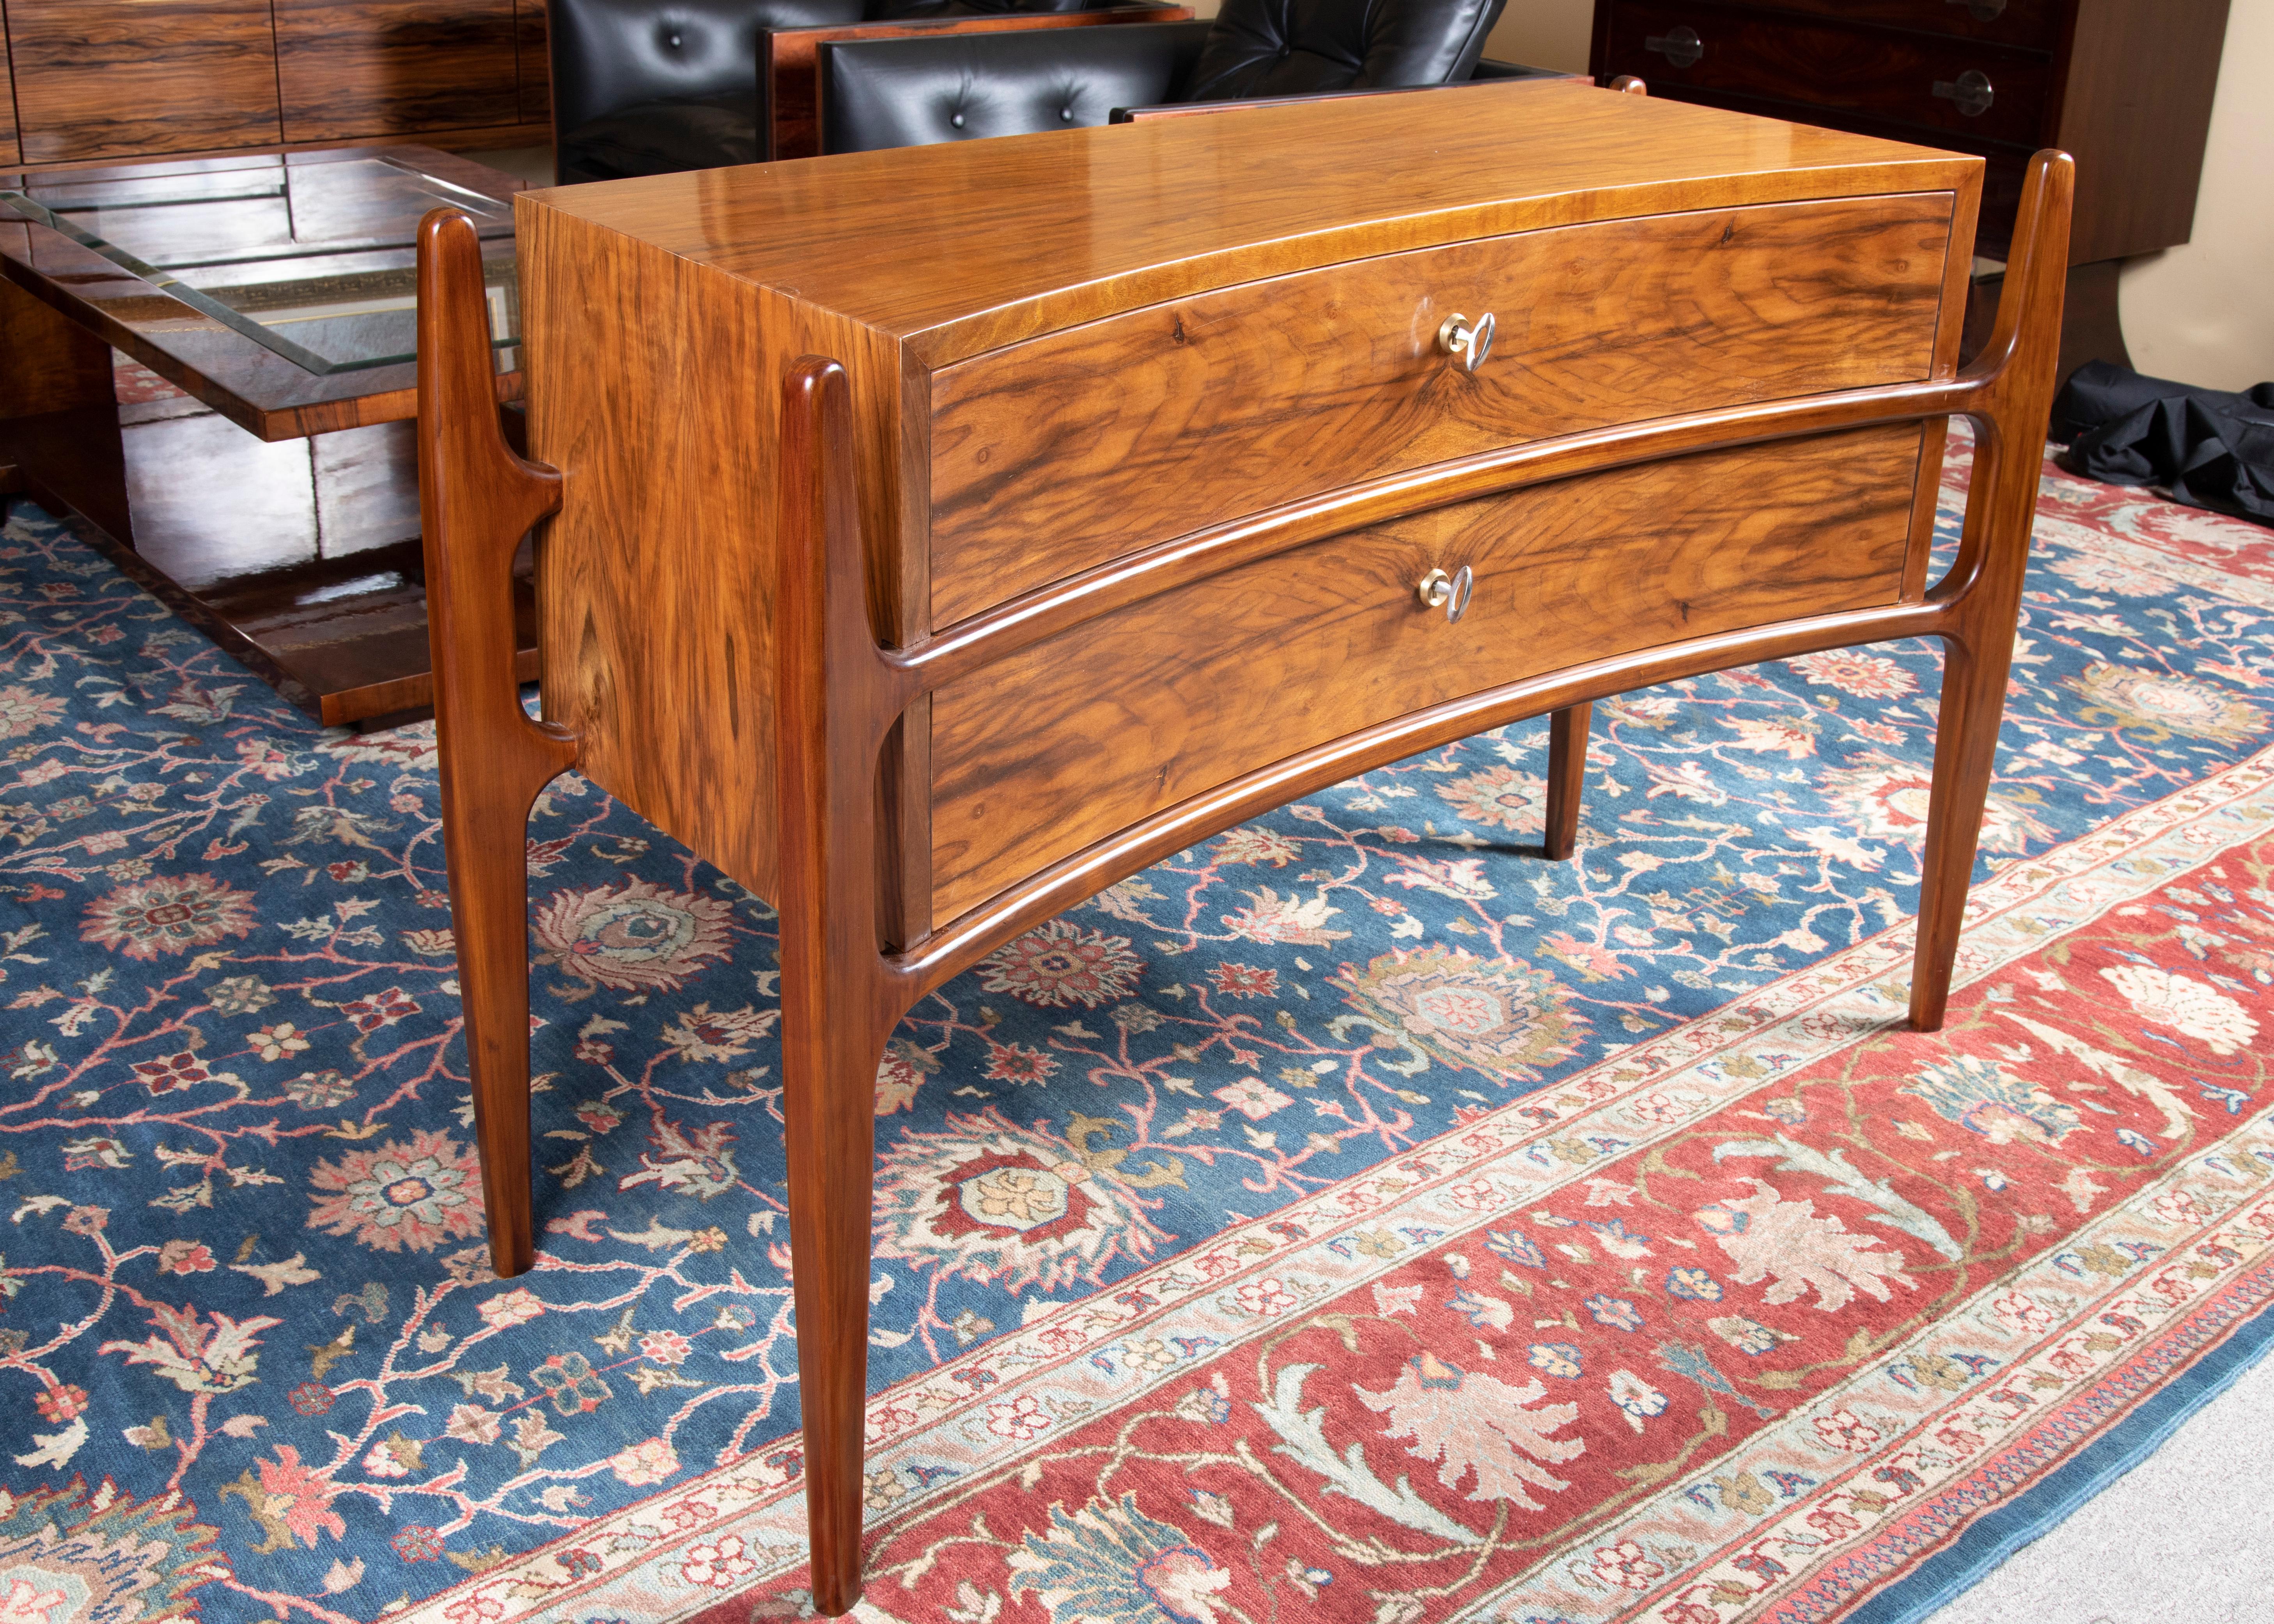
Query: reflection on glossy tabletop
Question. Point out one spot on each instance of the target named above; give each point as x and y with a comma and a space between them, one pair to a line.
1058, 225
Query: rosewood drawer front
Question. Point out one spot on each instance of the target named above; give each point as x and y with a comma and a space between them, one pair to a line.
1957, 86
1122, 717
1055, 454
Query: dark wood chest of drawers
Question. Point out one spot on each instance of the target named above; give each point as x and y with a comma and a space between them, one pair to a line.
2123, 85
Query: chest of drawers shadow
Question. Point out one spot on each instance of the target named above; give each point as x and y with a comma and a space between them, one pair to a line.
934, 537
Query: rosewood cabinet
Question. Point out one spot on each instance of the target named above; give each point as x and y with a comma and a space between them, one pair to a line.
2123, 85
933, 538
100, 81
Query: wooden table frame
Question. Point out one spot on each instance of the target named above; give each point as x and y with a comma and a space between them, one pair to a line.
338, 635
839, 692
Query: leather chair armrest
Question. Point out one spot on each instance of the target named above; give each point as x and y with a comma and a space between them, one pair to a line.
1503, 73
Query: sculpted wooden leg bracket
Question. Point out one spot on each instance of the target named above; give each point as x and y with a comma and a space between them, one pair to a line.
1982, 596
476, 502
835, 702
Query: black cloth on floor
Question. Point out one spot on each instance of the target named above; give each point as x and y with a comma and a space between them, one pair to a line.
2208, 448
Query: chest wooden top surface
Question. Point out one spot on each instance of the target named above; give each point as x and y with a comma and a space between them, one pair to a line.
959, 248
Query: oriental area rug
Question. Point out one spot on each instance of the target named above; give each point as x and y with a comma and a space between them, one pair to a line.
1355, 1218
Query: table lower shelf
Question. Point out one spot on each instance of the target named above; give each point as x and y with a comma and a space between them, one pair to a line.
299, 558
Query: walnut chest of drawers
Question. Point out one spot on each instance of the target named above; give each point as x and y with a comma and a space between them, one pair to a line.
1183, 333
939, 536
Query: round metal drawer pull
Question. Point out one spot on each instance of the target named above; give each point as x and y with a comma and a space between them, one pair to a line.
1467, 343
1451, 593
1681, 47
1971, 90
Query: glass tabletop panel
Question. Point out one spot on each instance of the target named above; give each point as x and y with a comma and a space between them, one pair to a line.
316, 261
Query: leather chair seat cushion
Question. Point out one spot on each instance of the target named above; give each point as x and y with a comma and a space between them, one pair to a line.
663, 138
963, 87
1290, 47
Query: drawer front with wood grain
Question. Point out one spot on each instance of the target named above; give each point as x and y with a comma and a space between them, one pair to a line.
1125, 717
1056, 455
1956, 87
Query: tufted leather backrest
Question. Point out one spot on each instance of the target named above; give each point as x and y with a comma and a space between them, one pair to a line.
1286, 48
959, 87
608, 55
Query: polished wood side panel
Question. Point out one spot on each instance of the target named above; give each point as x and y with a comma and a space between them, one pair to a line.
995, 242
1120, 718
350, 68
654, 599
1056, 455
111, 78
2135, 114
533, 62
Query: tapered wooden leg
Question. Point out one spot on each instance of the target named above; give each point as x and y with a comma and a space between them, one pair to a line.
1965, 751
834, 707
476, 499
1567, 774
829, 1089
486, 847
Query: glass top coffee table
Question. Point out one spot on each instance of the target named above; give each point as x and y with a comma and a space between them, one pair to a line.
278, 292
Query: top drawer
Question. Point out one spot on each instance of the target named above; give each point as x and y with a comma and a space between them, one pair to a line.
1055, 454
2032, 24
1957, 86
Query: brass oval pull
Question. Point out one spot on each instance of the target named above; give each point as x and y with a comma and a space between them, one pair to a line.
1466, 341
1451, 593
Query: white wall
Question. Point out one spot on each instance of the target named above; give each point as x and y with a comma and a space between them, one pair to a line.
1546, 34
2202, 312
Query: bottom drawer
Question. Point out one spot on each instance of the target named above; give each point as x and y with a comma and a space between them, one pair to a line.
1039, 756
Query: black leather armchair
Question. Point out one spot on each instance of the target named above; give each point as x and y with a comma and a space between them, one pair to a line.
911, 92
652, 86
